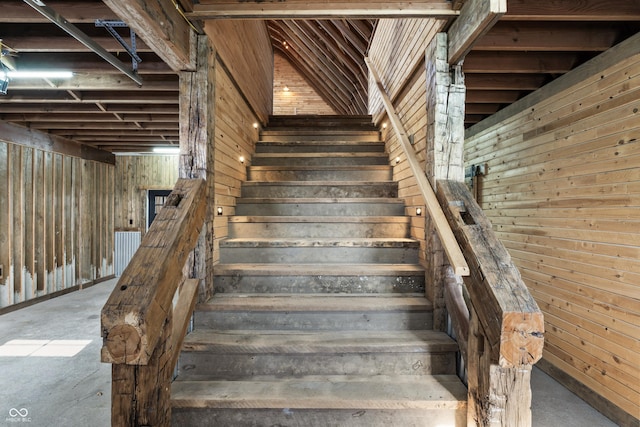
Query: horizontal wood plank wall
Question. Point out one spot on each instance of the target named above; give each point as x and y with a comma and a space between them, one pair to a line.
398, 50
134, 176
235, 137
245, 49
56, 222
300, 98
562, 190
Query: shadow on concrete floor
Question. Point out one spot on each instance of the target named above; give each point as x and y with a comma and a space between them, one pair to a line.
59, 380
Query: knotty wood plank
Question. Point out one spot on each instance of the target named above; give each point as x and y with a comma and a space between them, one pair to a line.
134, 315
5, 210
17, 225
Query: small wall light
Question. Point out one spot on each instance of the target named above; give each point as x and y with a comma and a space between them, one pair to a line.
384, 125
241, 159
419, 211
286, 89
255, 125
397, 160
220, 211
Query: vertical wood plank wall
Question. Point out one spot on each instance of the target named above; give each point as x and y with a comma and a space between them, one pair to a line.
245, 49
562, 190
235, 136
397, 50
134, 176
301, 98
56, 222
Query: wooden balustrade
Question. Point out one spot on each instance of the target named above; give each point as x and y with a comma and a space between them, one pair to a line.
506, 326
500, 330
141, 328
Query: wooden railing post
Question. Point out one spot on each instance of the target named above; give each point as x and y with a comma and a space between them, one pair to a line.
140, 339
506, 326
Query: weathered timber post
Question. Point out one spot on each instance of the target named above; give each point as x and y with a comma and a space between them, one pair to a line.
445, 145
197, 124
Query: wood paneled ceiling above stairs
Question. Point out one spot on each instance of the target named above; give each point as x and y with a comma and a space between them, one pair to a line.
534, 43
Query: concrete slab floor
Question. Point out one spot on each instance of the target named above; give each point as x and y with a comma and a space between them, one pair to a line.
51, 375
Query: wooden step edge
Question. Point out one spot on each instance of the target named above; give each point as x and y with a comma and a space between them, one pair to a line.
319, 303
328, 269
373, 142
356, 243
323, 183
318, 342
430, 392
307, 200
363, 219
322, 155
364, 168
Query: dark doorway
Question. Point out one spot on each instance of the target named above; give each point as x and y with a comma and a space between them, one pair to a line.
156, 201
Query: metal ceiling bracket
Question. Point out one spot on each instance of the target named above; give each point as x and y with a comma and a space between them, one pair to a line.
76, 33
110, 26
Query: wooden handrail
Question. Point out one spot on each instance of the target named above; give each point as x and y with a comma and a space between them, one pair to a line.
141, 328
448, 240
506, 327
135, 314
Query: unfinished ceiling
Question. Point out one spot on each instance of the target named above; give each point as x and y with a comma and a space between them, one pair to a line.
534, 43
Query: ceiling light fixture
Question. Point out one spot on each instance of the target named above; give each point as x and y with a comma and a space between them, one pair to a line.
166, 150
39, 74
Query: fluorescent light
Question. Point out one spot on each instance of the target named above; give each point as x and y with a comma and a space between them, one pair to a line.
44, 74
166, 150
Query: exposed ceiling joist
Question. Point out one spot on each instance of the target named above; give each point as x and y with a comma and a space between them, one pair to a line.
317, 9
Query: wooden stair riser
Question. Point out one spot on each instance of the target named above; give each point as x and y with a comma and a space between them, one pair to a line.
285, 417
246, 366
296, 136
321, 160
320, 147
322, 190
292, 255
268, 174
322, 229
353, 122
329, 208
319, 284
314, 321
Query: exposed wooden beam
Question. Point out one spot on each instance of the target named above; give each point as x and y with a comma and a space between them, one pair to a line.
519, 62
299, 9
31, 138
105, 97
75, 12
75, 117
500, 82
54, 43
476, 18
161, 26
493, 96
571, 10
535, 36
99, 82
84, 62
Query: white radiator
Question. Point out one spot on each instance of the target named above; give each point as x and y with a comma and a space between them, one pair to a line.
127, 243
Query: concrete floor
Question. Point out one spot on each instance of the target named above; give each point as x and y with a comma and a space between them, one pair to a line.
59, 381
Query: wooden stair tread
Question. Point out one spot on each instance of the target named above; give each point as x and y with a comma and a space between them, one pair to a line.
321, 168
318, 200
302, 154
266, 242
328, 269
324, 392
316, 302
321, 218
314, 342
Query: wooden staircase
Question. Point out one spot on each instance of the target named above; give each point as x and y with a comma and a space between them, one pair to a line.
319, 316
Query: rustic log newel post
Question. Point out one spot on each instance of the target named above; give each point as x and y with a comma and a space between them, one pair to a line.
140, 337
